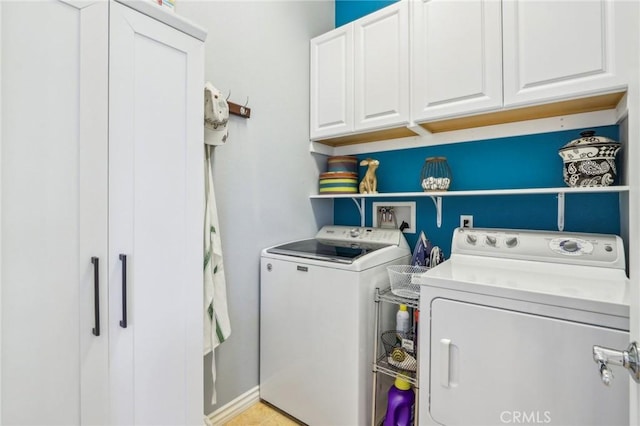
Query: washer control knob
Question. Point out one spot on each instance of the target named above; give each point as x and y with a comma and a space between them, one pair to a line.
511, 242
491, 240
472, 239
570, 246
355, 232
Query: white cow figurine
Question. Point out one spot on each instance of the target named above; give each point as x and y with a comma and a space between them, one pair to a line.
369, 184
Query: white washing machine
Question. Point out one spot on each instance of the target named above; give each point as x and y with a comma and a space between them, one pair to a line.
513, 318
317, 321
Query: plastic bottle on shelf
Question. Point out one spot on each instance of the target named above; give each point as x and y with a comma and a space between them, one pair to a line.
400, 402
403, 325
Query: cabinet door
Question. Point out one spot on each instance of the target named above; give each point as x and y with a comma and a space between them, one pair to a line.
381, 53
505, 366
331, 82
156, 189
457, 57
54, 212
573, 55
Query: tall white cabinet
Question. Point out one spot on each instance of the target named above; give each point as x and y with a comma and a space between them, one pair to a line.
156, 207
54, 212
101, 164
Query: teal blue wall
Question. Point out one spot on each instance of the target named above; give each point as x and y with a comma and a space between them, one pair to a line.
530, 161
350, 10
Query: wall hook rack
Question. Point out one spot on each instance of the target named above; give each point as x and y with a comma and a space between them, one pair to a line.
240, 110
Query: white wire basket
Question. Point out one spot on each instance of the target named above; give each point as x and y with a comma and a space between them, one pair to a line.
403, 279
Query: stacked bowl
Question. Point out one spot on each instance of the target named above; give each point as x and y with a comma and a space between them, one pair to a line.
341, 176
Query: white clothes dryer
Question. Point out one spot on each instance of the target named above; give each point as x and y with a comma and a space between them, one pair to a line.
513, 318
317, 321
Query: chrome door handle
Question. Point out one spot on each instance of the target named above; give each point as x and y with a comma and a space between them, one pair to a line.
628, 359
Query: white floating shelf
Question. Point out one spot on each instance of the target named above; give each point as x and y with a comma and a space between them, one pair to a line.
359, 199
475, 192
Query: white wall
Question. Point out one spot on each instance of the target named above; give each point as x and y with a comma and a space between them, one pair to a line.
265, 173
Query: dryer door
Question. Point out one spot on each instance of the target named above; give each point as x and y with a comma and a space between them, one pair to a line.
493, 366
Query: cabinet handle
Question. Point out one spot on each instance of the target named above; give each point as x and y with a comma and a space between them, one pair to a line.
123, 321
96, 295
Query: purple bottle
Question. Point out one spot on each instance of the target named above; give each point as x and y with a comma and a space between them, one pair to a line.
400, 402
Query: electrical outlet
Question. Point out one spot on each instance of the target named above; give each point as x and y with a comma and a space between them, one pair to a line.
466, 221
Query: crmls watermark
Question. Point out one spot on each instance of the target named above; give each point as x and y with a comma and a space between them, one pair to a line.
525, 417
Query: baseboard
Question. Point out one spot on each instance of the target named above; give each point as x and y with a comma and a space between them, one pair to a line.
235, 407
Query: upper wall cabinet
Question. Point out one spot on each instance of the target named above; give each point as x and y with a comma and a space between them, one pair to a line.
381, 54
556, 49
360, 79
456, 58
484, 62
472, 63
332, 83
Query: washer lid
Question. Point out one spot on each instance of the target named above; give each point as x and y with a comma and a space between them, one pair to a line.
342, 244
325, 250
346, 244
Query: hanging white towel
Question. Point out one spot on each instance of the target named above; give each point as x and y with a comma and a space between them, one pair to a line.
217, 326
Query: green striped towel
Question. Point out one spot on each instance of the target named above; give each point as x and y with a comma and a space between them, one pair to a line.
217, 326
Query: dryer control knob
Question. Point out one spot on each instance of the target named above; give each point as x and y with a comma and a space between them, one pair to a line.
472, 239
491, 240
570, 246
355, 232
511, 242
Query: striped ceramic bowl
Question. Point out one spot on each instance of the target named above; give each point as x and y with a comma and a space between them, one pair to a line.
338, 183
342, 163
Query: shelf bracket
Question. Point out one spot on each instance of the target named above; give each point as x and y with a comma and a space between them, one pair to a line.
560, 211
437, 201
360, 206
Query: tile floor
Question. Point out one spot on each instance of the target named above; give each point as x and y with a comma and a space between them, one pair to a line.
262, 414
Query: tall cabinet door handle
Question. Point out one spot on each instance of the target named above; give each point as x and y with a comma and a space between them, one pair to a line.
123, 321
96, 295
